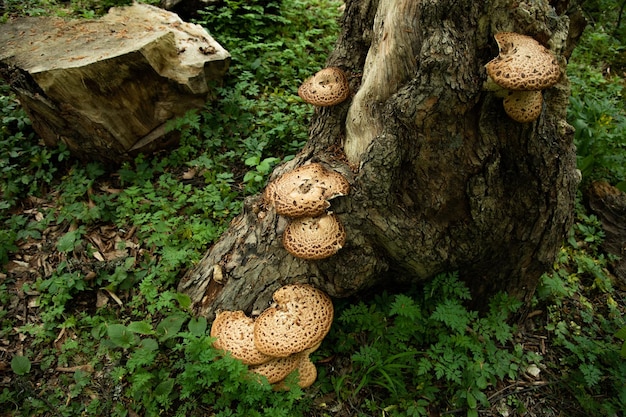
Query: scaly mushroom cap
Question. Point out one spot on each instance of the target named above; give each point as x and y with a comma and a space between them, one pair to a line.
314, 238
235, 333
523, 63
300, 320
277, 369
326, 88
523, 106
307, 373
305, 191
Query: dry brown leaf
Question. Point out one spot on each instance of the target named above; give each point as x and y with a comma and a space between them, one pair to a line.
101, 299
190, 174
114, 297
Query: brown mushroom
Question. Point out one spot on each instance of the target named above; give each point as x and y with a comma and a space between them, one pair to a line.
327, 87
305, 191
234, 332
314, 238
524, 67
523, 106
300, 320
523, 63
277, 369
307, 372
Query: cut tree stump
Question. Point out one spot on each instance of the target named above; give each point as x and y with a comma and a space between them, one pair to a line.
107, 87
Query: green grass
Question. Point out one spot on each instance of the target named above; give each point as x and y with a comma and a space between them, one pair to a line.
111, 335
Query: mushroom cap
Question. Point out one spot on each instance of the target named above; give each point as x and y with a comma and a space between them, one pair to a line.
277, 369
300, 320
523, 63
305, 191
235, 333
327, 87
523, 106
314, 238
307, 372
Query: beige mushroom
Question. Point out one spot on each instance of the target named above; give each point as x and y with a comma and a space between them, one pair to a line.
277, 369
314, 238
524, 67
305, 191
234, 332
307, 372
523, 106
300, 320
523, 63
327, 87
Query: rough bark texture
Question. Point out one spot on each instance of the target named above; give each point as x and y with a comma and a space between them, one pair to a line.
441, 178
609, 204
107, 87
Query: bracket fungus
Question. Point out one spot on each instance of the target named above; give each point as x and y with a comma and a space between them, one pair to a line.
234, 332
523, 106
281, 339
314, 238
305, 191
300, 320
327, 87
523, 65
277, 369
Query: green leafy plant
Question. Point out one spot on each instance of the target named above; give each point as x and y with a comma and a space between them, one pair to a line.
411, 349
20, 365
125, 338
596, 107
586, 332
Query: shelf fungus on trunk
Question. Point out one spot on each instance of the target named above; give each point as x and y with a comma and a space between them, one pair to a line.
299, 321
327, 87
314, 238
303, 196
234, 332
282, 337
523, 68
305, 191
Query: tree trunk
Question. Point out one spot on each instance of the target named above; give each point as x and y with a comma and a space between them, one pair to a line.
442, 179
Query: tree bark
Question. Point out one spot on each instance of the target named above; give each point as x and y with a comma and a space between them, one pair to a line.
609, 204
442, 179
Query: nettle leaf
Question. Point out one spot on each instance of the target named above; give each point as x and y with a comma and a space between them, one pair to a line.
121, 336
20, 365
68, 241
183, 300
140, 327
170, 326
149, 344
164, 388
197, 326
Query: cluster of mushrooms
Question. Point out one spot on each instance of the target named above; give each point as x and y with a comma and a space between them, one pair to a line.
302, 196
280, 340
522, 69
282, 337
